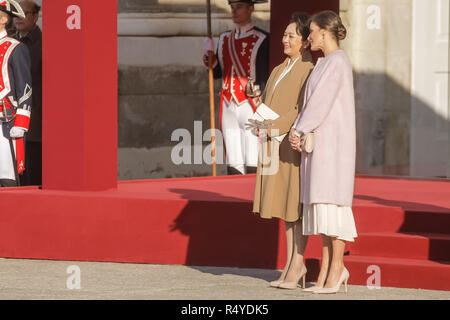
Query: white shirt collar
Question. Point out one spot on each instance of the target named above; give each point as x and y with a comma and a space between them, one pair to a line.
291, 62
286, 70
241, 30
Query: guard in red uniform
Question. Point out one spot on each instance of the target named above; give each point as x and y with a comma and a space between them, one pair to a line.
15, 97
242, 53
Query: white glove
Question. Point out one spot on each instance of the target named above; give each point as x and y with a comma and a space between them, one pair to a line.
208, 44
16, 132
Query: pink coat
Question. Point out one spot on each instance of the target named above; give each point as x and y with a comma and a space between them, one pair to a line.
328, 173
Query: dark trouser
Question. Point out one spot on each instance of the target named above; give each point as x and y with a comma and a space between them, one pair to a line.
8, 183
32, 176
232, 171
251, 170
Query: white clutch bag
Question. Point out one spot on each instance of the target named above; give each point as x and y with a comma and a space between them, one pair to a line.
265, 113
307, 142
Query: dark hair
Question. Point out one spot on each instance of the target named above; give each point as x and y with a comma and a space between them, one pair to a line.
36, 8
301, 19
329, 20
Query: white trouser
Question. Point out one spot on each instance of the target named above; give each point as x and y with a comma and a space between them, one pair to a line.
241, 145
6, 162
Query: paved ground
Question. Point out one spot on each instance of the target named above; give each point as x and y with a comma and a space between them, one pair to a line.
37, 279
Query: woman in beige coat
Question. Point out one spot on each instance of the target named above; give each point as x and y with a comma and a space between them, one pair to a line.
277, 186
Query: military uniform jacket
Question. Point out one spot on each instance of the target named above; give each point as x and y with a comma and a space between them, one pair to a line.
15, 87
249, 50
33, 41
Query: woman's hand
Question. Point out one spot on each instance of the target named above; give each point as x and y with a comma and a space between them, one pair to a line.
294, 140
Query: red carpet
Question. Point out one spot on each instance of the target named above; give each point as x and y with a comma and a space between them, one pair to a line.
403, 227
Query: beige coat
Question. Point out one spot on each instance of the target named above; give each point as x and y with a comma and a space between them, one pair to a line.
277, 190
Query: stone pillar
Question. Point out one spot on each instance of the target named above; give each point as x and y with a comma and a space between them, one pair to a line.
379, 46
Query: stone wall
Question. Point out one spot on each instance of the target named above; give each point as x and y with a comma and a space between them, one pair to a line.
380, 51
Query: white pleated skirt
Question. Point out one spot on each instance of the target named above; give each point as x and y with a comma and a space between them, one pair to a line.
329, 219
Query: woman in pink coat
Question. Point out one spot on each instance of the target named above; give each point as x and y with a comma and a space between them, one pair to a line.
328, 172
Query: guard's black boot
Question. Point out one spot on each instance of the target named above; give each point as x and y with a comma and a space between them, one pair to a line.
232, 171
8, 183
251, 170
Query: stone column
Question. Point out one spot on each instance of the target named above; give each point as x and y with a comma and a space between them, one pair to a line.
379, 46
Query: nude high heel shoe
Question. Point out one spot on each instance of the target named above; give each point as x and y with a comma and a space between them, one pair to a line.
294, 285
276, 283
312, 289
343, 278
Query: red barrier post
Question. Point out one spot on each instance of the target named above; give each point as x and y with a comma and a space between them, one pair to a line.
79, 94
280, 14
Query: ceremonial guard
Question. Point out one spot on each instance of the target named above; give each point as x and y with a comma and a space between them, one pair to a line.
242, 61
15, 97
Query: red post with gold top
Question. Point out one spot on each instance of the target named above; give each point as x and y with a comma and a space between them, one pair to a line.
79, 95
280, 14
